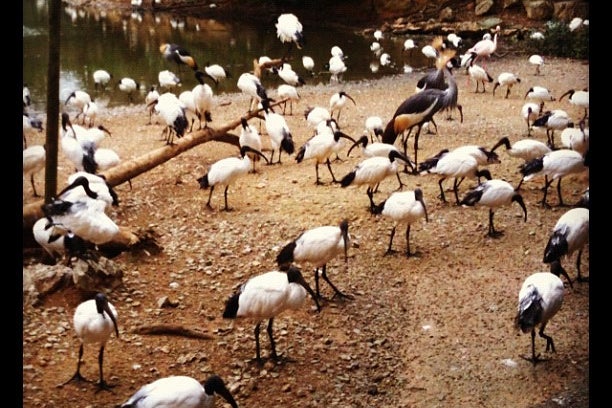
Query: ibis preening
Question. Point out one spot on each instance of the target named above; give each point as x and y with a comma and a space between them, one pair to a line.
308, 64
372, 170
421, 107
94, 321
179, 55
539, 300
507, 79
336, 68
556, 119
151, 97
249, 136
318, 246
570, 234
320, 147
579, 98
179, 391
59, 242
494, 194
33, 162
554, 166
30, 122
458, 165
403, 207
267, 295
280, 135
226, 171
290, 30
168, 80
287, 74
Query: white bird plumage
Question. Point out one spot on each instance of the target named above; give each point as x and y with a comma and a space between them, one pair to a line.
33, 162
556, 119
318, 246
538, 62
280, 135
267, 295
530, 112
94, 321
570, 234
507, 79
249, 136
101, 78
179, 391
129, 86
290, 93
290, 30
403, 207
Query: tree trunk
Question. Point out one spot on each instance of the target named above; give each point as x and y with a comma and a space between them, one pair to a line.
129, 169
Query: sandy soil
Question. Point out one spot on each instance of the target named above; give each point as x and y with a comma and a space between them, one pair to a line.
432, 330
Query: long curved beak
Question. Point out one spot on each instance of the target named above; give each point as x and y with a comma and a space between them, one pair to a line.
360, 141
108, 311
519, 199
257, 152
345, 136
102, 128
306, 286
424, 208
351, 98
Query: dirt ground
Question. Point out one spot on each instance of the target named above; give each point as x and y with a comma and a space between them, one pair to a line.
432, 330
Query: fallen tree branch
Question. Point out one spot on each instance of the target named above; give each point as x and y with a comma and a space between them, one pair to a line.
171, 330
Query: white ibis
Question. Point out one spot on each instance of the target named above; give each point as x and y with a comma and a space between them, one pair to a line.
288, 75
172, 111
373, 170
403, 207
578, 98
280, 135
94, 182
420, 108
556, 119
30, 122
178, 54
216, 72
336, 68
59, 242
337, 102
249, 136
525, 149
128, 86
478, 74
539, 94
264, 297
27, 96
494, 194
318, 246
507, 79
459, 165
576, 138
537, 61
290, 30
250, 85
308, 64
570, 234
101, 78
168, 80
374, 126
485, 47
530, 111
94, 321
180, 391
554, 166
187, 100
33, 162
315, 115
290, 94
539, 300
320, 147
204, 99
150, 98
226, 171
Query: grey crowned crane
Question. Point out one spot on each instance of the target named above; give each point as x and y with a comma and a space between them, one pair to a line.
554, 166
318, 246
372, 170
420, 108
570, 234
179, 55
403, 207
493, 194
94, 321
225, 172
264, 297
180, 391
539, 299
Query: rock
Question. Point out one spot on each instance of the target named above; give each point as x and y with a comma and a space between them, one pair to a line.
95, 273
483, 7
447, 15
538, 9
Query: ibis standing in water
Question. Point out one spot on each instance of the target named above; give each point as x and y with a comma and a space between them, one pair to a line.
570, 234
264, 297
493, 194
403, 207
318, 246
94, 322
539, 300
180, 391
226, 171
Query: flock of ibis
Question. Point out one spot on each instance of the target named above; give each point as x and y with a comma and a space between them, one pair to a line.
78, 219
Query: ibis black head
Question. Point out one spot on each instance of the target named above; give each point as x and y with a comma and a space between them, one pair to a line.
294, 275
519, 199
102, 306
418, 196
214, 384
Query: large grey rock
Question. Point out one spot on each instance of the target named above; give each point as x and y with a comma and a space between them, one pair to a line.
538, 9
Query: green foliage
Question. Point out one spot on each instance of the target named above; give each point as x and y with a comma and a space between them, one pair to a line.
559, 41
